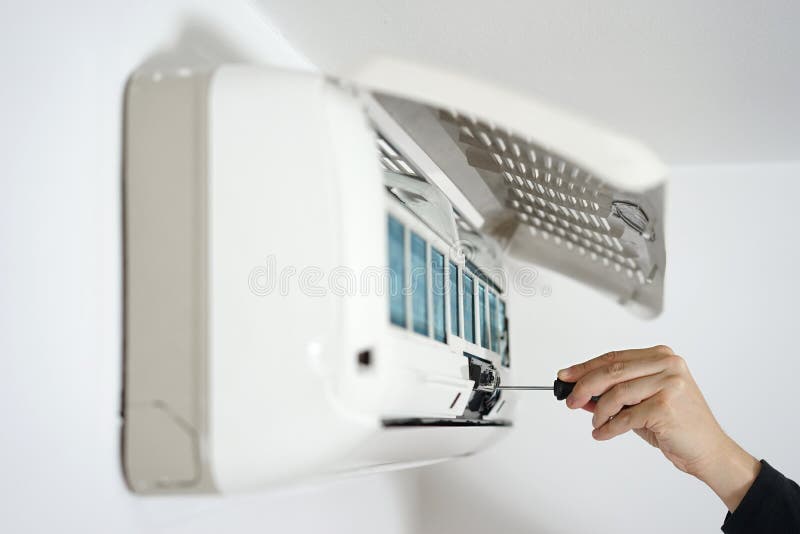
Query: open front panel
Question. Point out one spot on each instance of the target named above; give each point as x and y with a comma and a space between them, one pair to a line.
465, 307
542, 207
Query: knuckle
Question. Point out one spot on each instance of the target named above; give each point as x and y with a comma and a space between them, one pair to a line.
663, 350
615, 369
676, 383
676, 363
609, 356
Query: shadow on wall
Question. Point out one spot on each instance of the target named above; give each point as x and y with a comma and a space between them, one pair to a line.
196, 46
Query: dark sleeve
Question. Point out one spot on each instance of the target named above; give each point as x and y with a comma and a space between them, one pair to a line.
772, 504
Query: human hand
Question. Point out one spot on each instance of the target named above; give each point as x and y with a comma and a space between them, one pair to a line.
651, 392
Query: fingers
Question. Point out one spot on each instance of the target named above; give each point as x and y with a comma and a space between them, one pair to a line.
626, 394
600, 380
577, 371
632, 418
636, 387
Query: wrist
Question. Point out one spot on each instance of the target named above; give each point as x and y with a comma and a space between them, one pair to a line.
729, 472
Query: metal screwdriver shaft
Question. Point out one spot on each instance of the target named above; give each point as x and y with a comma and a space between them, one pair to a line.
535, 388
559, 388
487, 380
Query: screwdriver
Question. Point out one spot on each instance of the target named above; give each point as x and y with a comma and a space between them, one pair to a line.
559, 388
488, 379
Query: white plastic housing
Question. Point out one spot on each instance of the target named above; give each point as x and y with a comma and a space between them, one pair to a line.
258, 343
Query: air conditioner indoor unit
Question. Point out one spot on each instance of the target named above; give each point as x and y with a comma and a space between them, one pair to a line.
314, 267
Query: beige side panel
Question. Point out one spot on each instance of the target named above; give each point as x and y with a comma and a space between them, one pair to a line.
164, 411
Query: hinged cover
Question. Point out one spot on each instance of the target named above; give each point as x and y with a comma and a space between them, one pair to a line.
552, 189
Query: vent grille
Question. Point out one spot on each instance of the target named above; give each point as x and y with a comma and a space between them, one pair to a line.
559, 201
392, 161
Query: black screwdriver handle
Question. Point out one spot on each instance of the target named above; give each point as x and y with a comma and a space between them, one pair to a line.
562, 390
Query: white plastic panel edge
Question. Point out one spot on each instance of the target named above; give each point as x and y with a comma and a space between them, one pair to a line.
621, 161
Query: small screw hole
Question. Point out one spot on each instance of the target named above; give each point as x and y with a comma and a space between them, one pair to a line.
365, 358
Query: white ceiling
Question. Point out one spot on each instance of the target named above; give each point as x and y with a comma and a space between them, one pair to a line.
700, 82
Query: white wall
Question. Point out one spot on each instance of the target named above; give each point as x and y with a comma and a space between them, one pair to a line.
64, 66
699, 82
732, 296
